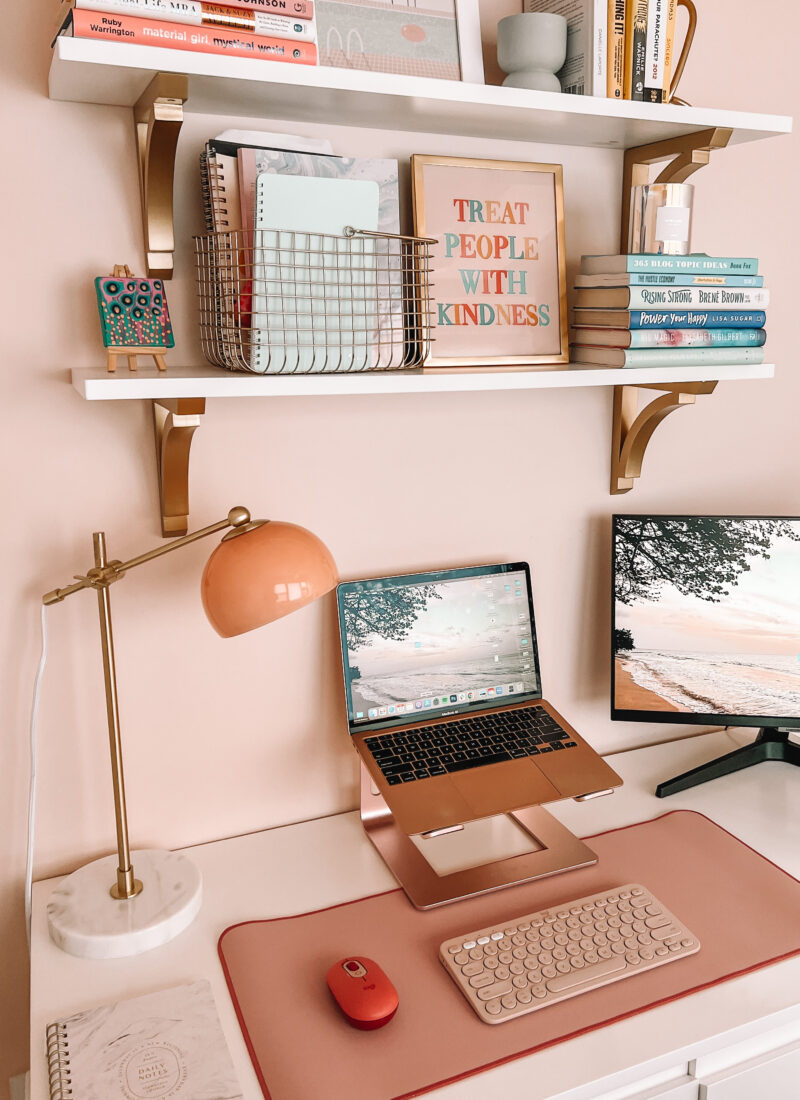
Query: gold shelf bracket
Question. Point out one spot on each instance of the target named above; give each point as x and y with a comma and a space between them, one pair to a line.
632, 428
175, 422
158, 116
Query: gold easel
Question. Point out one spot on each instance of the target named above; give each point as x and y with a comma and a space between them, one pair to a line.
130, 351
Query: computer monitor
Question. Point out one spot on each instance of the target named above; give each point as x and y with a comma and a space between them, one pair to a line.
706, 627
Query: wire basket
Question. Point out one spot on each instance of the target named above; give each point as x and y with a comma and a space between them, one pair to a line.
289, 302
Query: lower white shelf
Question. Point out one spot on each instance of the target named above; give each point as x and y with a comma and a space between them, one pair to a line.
148, 384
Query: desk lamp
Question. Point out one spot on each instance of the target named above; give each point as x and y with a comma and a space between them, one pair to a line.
259, 572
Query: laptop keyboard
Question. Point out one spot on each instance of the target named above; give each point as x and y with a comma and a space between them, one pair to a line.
407, 755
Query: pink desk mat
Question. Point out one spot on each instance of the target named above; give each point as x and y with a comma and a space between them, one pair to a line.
303, 1049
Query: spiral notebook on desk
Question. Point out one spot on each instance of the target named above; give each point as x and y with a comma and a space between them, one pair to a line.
161, 1044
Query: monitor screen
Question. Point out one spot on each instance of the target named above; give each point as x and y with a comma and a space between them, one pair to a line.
430, 644
706, 619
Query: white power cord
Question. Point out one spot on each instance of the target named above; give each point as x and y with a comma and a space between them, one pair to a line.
32, 787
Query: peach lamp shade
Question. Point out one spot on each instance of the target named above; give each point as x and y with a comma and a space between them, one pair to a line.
263, 572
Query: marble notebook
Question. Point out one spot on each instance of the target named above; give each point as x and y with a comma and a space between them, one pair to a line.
165, 1044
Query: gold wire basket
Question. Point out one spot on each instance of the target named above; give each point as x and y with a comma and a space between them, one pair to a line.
289, 302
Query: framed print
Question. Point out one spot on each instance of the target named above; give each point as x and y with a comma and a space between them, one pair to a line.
433, 38
498, 272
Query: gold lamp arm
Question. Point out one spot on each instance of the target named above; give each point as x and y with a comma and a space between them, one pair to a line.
100, 577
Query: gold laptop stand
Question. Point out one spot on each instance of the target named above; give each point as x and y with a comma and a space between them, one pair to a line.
558, 851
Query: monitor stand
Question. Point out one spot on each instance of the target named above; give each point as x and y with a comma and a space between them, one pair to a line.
558, 850
771, 744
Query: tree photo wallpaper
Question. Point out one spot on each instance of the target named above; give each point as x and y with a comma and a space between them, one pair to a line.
707, 615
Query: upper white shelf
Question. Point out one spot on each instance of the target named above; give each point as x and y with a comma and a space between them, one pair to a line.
147, 384
115, 73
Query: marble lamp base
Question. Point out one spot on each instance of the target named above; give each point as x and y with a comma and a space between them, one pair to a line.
85, 920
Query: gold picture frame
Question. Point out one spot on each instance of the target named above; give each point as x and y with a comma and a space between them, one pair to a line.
485, 312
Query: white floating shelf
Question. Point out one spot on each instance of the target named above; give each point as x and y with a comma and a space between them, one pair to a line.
148, 384
116, 73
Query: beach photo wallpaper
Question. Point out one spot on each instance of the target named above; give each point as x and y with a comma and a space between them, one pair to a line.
707, 615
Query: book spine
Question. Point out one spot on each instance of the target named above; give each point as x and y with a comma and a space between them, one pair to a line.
635, 48
197, 13
669, 45
615, 64
713, 318
688, 338
660, 357
643, 279
600, 48
697, 297
695, 265
177, 36
294, 9
655, 42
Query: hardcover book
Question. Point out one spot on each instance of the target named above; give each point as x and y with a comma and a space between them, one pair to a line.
199, 13
179, 36
667, 318
665, 278
667, 357
695, 263
158, 1045
685, 297
670, 337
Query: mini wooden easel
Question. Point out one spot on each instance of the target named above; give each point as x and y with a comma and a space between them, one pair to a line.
122, 271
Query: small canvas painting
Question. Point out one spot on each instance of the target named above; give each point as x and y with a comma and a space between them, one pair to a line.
707, 615
133, 312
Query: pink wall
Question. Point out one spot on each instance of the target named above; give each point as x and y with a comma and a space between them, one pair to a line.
226, 737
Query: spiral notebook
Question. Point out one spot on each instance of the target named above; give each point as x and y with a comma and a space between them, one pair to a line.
313, 291
158, 1045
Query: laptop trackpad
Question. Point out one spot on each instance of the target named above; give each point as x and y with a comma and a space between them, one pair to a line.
509, 785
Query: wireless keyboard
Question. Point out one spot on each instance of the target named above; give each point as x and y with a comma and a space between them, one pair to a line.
534, 961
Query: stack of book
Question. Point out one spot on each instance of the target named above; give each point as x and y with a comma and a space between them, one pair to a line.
650, 310
275, 30
623, 49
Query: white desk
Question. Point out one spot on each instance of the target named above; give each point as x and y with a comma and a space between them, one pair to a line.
734, 1041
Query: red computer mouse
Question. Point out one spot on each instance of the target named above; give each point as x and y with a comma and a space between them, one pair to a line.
363, 992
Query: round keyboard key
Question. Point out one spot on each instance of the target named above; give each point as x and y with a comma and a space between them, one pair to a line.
573, 949
509, 932
524, 996
563, 967
613, 936
577, 963
575, 910
575, 935
639, 926
573, 922
605, 952
640, 914
618, 948
687, 943
623, 906
560, 926
613, 898
653, 910
662, 950
454, 948
647, 953
644, 938
461, 958
591, 957
518, 939
562, 939
519, 953
524, 926
627, 932
505, 957
614, 922
637, 891
602, 926
626, 918
632, 957
502, 973
548, 943
673, 947
504, 944
494, 1008
490, 949
519, 982
476, 953
532, 936
509, 1001
562, 914
490, 963
587, 943
559, 953
545, 958
471, 969
517, 968
549, 972
534, 977
539, 991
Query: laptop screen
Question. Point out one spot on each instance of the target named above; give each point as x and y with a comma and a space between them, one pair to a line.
428, 644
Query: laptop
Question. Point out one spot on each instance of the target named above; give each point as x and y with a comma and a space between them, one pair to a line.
444, 698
